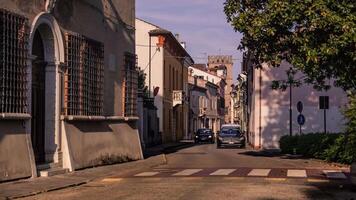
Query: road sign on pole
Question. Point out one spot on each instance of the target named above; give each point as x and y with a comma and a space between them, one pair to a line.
301, 119
300, 106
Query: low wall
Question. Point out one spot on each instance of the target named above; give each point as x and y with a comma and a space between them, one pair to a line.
102, 142
15, 160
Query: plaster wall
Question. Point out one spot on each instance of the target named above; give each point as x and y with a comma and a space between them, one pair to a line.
14, 162
207, 76
142, 49
270, 108
93, 144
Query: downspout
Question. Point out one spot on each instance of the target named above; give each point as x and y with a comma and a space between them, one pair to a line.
260, 108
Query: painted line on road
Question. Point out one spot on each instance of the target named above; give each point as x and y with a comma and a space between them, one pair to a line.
312, 180
192, 178
259, 172
187, 172
111, 180
297, 173
222, 172
235, 178
275, 179
147, 174
334, 174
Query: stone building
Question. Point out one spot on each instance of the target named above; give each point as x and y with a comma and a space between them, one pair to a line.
165, 61
68, 86
222, 66
268, 110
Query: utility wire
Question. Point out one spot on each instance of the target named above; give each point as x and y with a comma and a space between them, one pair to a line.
150, 60
198, 58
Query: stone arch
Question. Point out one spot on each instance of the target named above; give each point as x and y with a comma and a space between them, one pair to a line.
47, 27
52, 37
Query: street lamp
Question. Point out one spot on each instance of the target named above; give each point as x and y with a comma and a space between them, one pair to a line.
283, 85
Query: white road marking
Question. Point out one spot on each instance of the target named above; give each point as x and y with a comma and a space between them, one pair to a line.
187, 172
259, 172
334, 174
297, 173
146, 174
222, 172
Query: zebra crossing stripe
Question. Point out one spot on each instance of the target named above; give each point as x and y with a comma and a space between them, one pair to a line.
187, 172
222, 172
147, 174
334, 174
297, 173
259, 172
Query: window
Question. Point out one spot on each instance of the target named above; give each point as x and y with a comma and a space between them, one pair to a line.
13, 65
84, 76
130, 82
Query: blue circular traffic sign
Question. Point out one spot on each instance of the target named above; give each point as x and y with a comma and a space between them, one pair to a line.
301, 119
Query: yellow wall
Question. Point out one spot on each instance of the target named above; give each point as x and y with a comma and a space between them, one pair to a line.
175, 74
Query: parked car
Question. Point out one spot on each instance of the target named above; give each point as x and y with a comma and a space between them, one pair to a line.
204, 135
230, 136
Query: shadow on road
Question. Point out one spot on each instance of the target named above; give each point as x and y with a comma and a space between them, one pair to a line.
166, 149
262, 153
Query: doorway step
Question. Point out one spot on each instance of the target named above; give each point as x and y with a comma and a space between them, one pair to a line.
51, 169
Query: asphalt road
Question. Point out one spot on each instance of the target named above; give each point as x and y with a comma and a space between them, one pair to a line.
204, 172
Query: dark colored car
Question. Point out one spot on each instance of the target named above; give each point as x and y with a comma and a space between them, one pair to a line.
204, 135
230, 137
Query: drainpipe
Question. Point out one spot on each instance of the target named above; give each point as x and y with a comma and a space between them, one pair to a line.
260, 109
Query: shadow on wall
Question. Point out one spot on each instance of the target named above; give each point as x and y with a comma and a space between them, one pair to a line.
101, 21
275, 108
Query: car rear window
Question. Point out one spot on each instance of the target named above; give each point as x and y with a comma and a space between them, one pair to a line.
234, 132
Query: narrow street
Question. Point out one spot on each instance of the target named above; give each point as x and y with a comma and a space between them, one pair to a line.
204, 172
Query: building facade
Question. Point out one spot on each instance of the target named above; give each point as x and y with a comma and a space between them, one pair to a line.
268, 110
68, 85
165, 61
206, 94
222, 66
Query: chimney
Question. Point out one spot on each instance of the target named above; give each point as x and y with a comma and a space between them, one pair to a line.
177, 37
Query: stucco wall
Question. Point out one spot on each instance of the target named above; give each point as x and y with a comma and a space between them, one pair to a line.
142, 49
270, 111
14, 151
92, 144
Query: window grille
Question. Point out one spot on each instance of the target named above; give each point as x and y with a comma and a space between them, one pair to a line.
130, 85
13, 64
84, 76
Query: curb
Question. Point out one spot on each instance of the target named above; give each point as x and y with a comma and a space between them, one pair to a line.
49, 190
106, 171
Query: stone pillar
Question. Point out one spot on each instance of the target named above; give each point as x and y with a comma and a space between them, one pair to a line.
51, 122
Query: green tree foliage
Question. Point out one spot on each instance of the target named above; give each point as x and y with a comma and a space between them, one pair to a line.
143, 89
318, 37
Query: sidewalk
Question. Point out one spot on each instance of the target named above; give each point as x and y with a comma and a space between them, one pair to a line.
29, 187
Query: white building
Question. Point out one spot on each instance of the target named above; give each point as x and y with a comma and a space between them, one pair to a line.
268, 110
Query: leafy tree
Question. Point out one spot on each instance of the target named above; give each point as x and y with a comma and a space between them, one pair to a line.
143, 89
318, 37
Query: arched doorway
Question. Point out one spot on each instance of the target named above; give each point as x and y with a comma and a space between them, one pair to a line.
46, 53
38, 94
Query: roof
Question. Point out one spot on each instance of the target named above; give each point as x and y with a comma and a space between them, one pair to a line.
161, 31
200, 66
147, 22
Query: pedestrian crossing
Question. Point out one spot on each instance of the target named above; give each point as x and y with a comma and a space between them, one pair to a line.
247, 172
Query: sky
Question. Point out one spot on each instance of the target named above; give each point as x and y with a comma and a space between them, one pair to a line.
200, 23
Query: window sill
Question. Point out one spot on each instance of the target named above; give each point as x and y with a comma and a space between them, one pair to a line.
15, 116
98, 118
